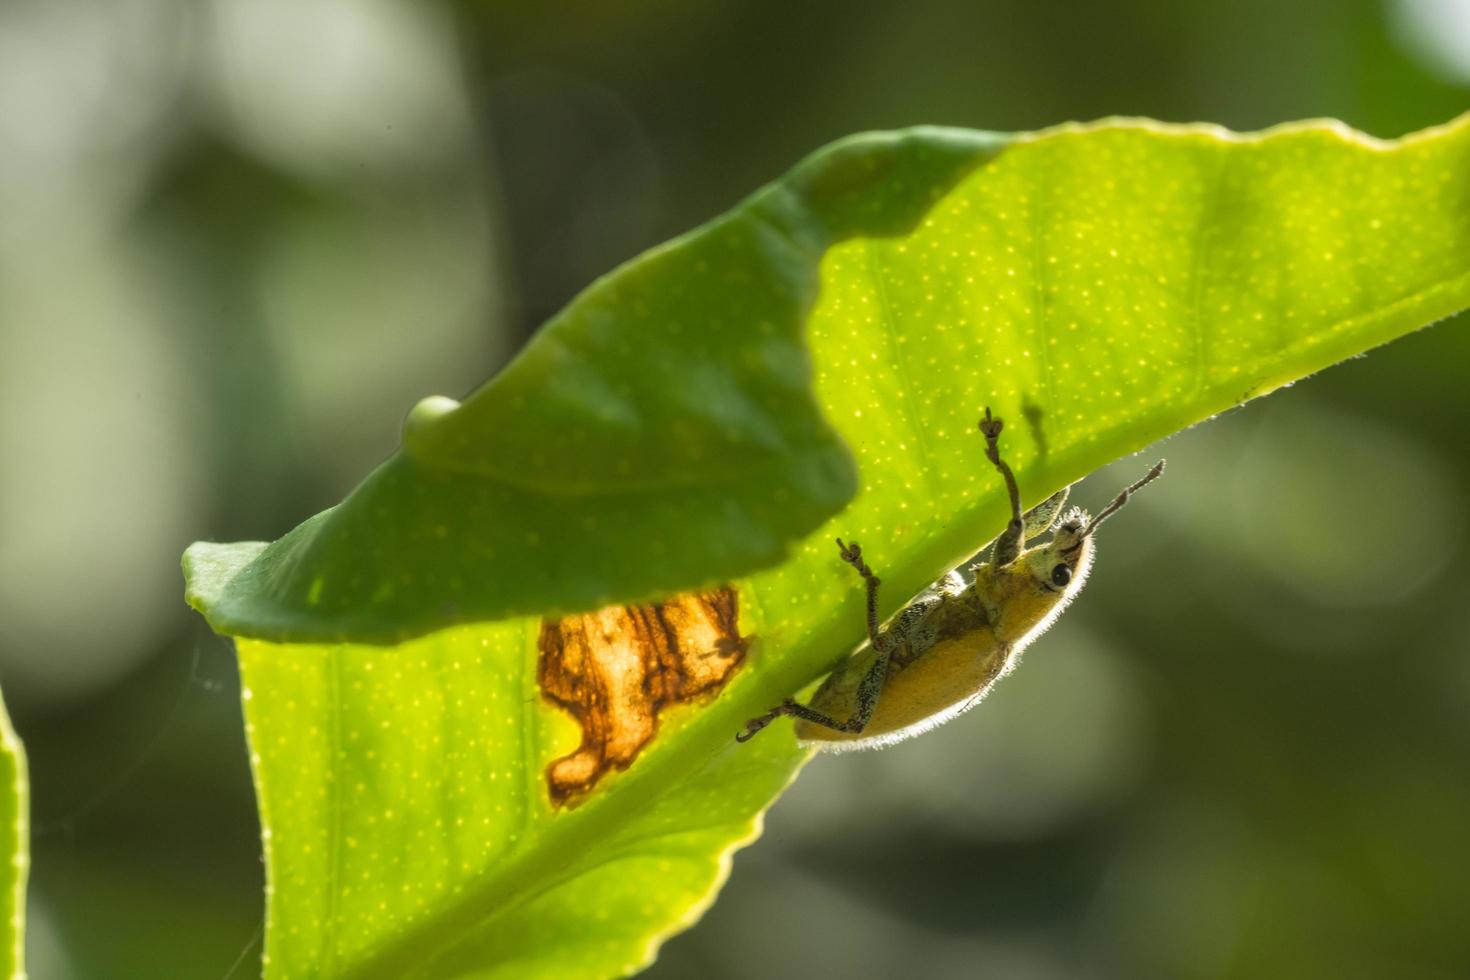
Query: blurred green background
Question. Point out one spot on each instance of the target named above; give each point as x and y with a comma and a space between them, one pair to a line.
239, 238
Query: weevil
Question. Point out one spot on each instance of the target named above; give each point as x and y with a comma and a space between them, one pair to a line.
940, 655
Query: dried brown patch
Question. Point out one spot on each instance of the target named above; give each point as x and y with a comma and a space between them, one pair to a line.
614, 671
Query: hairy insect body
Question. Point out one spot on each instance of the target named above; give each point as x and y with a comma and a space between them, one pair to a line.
944, 681
942, 653
948, 647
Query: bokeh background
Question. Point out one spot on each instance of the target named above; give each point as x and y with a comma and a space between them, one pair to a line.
239, 238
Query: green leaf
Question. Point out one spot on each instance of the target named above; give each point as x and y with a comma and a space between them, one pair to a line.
15, 841
675, 392
406, 816
1099, 287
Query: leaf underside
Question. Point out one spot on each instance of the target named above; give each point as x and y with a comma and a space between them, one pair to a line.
684, 423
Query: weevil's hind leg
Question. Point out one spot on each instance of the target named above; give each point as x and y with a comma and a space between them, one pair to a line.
868, 688
1008, 545
753, 726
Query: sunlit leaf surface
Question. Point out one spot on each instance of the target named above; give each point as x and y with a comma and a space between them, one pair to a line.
1099, 287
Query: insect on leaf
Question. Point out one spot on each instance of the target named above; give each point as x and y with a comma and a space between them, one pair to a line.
682, 424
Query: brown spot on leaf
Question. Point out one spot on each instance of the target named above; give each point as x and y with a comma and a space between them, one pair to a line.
614, 671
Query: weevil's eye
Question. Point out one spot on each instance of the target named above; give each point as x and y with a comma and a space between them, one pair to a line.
1061, 575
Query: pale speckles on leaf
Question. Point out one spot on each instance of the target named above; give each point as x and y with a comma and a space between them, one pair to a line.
442, 788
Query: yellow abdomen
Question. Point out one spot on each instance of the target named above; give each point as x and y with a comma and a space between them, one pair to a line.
947, 679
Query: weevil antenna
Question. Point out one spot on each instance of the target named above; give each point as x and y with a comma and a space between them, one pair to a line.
1122, 498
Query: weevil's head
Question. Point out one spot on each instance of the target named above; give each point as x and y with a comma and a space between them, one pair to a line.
1063, 562
1061, 565
1031, 592
1044, 578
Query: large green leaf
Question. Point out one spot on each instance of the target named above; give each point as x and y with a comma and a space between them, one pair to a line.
675, 392
1098, 286
15, 848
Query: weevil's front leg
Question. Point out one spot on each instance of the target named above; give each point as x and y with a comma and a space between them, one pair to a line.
868, 688
1008, 545
1039, 519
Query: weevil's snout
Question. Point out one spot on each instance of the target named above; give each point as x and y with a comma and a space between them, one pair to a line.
1064, 560
1071, 530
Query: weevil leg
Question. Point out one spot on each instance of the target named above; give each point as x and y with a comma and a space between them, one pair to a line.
867, 699
756, 724
1039, 519
868, 688
1008, 545
853, 555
